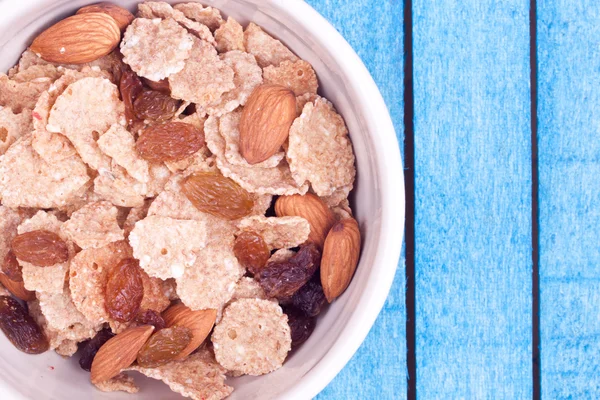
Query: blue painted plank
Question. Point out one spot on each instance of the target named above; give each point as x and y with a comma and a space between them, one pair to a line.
473, 199
569, 167
375, 31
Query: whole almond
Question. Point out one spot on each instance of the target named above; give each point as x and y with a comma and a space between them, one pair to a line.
16, 288
122, 16
265, 122
78, 39
340, 257
311, 208
119, 352
199, 322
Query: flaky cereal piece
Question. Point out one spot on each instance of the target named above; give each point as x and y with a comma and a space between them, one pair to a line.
301, 102
204, 78
28, 181
167, 246
160, 9
282, 255
341, 212
261, 204
266, 49
119, 383
94, 225
248, 288
119, 144
13, 126
298, 76
38, 73
198, 377
276, 180
20, 95
338, 196
277, 232
209, 16
78, 199
253, 337
61, 315
159, 176
230, 36
202, 160
319, 149
155, 48
136, 214
229, 128
83, 112
45, 279
247, 76
118, 187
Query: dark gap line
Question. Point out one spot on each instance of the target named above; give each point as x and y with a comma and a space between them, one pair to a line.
535, 234
409, 184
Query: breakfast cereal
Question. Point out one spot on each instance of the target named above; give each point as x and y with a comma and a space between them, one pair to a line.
266, 49
230, 36
299, 76
278, 232
93, 225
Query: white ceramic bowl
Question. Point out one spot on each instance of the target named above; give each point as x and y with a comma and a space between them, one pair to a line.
378, 203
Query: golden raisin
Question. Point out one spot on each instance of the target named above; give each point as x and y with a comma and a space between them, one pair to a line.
212, 193
124, 290
20, 328
251, 251
164, 346
171, 141
41, 248
155, 106
11, 267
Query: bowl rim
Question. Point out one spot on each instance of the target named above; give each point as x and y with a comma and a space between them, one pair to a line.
388, 162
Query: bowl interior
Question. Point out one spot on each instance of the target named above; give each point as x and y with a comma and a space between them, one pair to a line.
50, 377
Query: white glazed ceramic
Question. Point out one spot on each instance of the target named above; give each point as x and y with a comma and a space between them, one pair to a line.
378, 202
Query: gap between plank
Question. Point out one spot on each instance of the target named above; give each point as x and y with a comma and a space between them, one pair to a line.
409, 184
535, 238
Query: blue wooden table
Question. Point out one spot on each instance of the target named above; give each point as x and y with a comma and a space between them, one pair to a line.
497, 109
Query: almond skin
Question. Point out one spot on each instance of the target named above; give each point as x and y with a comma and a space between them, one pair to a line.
78, 39
265, 122
122, 16
311, 208
340, 257
16, 288
119, 352
199, 322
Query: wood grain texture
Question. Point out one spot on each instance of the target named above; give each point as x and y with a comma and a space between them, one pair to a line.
569, 169
375, 31
473, 199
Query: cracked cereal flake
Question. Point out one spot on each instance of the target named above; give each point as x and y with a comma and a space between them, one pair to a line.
94, 225
204, 78
229, 129
247, 76
278, 232
38, 73
28, 181
116, 186
276, 180
209, 16
230, 36
200, 161
261, 204
298, 76
302, 100
248, 288
154, 48
341, 212
83, 112
61, 315
338, 196
67, 348
282, 255
165, 246
13, 126
266, 49
155, 9
159, 176
198, 377
253, 337
20, 95
45, 279
319, 149
134, 215
119, 383
119, 144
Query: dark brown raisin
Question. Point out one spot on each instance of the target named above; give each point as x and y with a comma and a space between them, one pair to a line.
11, 267
130, 87
20, 328
310, 298
90, 347
301, 326
212, 193
155, 106
124, 290
164, 346
283, 278
171, 141
151, 317
40, 248
161, 86
251, 251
